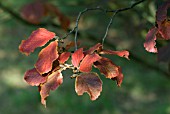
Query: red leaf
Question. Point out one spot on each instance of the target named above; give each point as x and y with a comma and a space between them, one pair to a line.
77, 56
46, 58
164, 54
90, 83
64, 21
107, 67
150, 44
33, 12
53, 81
34, 78
87, 62
38, 38
164, 30
94, 48
119, 78
161, 14
119, 53
64, 57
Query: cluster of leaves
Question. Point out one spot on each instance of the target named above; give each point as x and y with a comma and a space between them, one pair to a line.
54, 58
160, 31
35, 13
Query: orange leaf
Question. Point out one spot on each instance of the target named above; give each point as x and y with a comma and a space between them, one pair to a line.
90, 83
34, 78
119, 53
164, 30
150, 44
107, 67
77, 56
38, 38
54, 80
33, 12
64, 57
46, 58
87, 62
94, 48
119, 78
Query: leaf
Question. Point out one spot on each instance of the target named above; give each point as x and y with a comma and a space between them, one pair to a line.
53, 82
34, 78
161, 14
94, 48
64, 57
90, 83
123, 53
164, 30
150, 44
107, 67
164, 54
77, 56
46, 58
87, 62
37, 38
33, 12
64, 21
119, 78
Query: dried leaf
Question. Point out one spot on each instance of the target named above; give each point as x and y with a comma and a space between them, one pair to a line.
123, 53
38, 38
46, 58
150, 44
107, 67
119, 78
161, 14
34, 78
87, 62
77, 56
54, 80
164, 30
97, 47
33, 12
64, 57
90, 83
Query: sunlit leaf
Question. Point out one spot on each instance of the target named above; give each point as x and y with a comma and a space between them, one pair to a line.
53, 81
37, 38
87, 62
123, 53
150, 44
90, 83
46, 58
77, 56
34, 78
33, 12
107, 67
119, 78
64, 57
96, 47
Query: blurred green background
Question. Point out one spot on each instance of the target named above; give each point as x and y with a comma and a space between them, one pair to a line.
145, 89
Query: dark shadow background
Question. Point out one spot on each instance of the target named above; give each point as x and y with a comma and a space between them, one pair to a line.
145, 89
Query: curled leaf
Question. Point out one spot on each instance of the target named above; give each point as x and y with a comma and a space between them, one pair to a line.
46, 58
96, 47
119, 78
52, 83
34, 78
107, 67
64, 57
150, 44
87, 62
37, 38
123, 53
90, 83
77, 56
